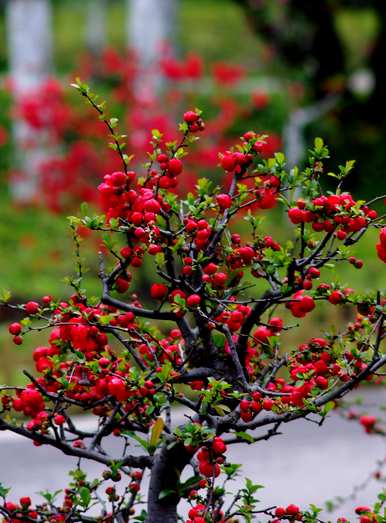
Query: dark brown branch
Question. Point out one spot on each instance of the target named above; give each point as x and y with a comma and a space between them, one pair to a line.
130, 461
228, 421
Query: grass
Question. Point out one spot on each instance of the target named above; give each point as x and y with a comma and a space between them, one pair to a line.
34, 247
218, 30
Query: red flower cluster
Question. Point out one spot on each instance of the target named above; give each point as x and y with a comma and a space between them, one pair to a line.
182, 70
227, 74
29, 401
292, 513
337, 212
301, 304
47, 109
381, 246
210, 457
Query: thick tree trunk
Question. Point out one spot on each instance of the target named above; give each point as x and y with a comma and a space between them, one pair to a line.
30, 47
151, 29
96, 26
374, 108
165, 474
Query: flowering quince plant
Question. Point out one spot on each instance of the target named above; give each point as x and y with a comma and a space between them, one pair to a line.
202, 336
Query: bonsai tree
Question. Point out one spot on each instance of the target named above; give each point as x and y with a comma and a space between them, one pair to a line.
205, 337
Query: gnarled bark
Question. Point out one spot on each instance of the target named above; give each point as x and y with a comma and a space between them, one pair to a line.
165, 474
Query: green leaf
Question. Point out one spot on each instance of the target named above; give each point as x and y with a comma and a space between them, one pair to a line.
113, 122
245, 436
166, 369
252, 487
104, 320
140, 440
329, 406
160, 258
4, 491
189, 483
141, 517
280, 158
127, 158
49, 496
156, 134
221, 409
156, 432
183, 127
165, 493
231, 469
180, 301
85, 496
5, 295
219, 339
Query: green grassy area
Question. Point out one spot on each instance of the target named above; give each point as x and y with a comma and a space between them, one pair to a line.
218, 30
36, 250
34, 247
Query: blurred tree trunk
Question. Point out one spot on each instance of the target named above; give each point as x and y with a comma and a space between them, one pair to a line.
304, 36
30, 55
376, 102
151, 35
326, 47
96, 26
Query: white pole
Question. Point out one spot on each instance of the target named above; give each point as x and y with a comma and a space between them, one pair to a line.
30, 55
151, 25
96, 26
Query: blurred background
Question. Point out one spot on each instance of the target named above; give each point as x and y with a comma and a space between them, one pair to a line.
291, 69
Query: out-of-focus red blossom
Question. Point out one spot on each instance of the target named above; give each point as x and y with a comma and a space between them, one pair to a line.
270, 145
112, 61
177, 70
260, 99
228, 111
3, 136
228, 74
45, 108
141, 119
193, 67
172, 68
69, 174
74, 175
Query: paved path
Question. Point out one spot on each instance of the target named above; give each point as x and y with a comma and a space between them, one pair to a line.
308, 464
